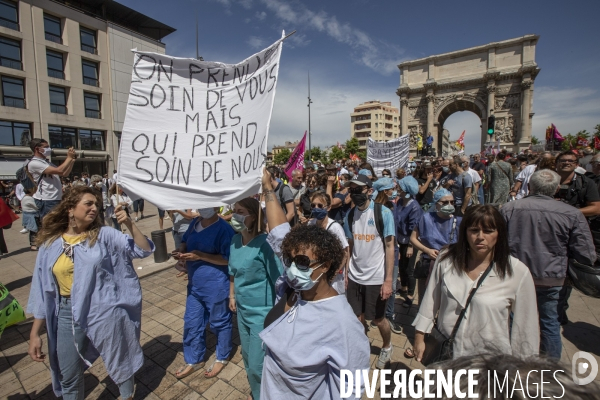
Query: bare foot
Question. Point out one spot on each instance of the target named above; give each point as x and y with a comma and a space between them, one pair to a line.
216, 368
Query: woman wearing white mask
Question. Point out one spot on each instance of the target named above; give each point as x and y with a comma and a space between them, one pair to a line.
311, 334
436, 229
320, 204
205, 247
118, 197
253, 271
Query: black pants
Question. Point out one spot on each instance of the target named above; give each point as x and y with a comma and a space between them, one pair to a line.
3, 248
406, 268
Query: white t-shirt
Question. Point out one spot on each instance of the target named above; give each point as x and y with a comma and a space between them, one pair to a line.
49, 187
474, 175
28, 204
19, 191
123, 198
334, 228
524, 177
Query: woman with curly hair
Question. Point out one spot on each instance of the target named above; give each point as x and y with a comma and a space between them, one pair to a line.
311, 334
86, 292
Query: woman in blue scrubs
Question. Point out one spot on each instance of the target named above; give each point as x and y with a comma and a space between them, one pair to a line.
205, 247
253, 271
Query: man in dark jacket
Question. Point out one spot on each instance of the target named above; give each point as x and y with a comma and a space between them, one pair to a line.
544, 234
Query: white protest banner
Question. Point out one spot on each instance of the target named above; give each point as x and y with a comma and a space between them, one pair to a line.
388, 155
195, 132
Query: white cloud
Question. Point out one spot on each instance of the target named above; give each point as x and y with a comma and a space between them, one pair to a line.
260, 15
256, 42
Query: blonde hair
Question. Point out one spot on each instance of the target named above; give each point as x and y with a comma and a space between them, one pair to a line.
57, 221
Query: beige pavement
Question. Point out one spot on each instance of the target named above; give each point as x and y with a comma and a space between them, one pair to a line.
162, 327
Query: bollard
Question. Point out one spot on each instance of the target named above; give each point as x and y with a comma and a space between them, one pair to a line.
160, 243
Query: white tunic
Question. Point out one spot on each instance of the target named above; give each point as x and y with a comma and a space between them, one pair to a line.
306, 348
485, 327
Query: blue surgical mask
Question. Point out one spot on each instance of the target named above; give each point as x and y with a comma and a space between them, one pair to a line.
206, 212
446, 169
394, 195
319, 213
447, 209
238, 222
301, 280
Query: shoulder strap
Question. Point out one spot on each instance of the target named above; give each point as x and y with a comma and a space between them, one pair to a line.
379, 221
503, 171
464, 310
281, 192
331, 222
351, 219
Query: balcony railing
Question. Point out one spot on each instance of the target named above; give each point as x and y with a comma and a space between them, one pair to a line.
14, 102
9, 24
54, 73
58, 109
89, 49
92, 114
53, 38
7, 62
90, 81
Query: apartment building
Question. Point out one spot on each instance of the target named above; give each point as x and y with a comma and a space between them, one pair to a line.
375, 119
65, 73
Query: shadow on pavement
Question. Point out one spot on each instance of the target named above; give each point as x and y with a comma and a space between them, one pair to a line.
583, 335
19, 283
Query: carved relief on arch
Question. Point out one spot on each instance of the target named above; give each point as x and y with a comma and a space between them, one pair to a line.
417, 112
512, 101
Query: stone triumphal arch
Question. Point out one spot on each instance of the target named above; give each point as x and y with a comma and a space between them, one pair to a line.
496, 76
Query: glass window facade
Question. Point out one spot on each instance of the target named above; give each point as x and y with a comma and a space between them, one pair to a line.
92, 105
88, 40
15, 133
13, 92
52, 29
91, 140
90, 73
58, 100
9, 14
56, 65
62, 137
10, 53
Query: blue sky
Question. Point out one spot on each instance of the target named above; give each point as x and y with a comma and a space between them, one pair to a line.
352, 49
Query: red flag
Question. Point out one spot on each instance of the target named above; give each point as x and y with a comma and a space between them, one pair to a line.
581, 141
596, 143
461, 140
548, 134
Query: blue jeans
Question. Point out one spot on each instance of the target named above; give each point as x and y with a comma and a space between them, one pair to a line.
70, 339
480, 195
45, 206
389, 309
547, 301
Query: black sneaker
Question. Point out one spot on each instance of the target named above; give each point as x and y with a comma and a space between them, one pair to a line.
394, 326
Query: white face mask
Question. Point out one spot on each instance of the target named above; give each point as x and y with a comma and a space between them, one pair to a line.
47, 151
99, 185
206, 212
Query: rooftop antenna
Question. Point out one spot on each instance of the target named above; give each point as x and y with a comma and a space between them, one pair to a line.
197, 51
309, 131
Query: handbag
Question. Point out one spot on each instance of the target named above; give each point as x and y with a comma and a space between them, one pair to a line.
585, 278
438, 347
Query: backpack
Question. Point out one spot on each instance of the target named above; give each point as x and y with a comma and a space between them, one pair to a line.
378, 211
25, 177
295, 219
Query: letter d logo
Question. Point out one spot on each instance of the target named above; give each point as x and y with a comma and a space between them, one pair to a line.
580, 367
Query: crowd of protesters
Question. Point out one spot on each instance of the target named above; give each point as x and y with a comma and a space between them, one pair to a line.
315, 261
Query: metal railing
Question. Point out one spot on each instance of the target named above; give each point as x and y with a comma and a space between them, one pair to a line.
53, 38
92, 114
54, 73
9, 24
7, 62
88, 49
90, 81
14, 102
58, 109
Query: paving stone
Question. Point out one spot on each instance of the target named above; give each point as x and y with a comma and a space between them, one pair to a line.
176, 391
219, 390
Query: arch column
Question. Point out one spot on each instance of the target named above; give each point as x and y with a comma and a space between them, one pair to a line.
403, 115
525, 110
430, 119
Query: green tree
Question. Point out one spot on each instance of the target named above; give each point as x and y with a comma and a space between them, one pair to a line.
336, 153
282, 157
352, 147
570, 141
597, 132
584, 134
535, 140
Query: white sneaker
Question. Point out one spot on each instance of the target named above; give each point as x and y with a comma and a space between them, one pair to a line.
136, 219
384, 357
24, 230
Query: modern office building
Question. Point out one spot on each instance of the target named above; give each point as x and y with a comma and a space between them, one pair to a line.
65, 73
375, 119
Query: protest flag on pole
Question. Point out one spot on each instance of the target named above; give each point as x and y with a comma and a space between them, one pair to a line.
296, 160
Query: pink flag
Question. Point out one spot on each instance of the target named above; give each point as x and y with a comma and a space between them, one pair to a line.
557, 136
297, 158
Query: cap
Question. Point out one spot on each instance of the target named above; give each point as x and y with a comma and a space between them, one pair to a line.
360, 180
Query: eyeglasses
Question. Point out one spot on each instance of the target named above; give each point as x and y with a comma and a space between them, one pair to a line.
567, 161
356, 190
302, 262
446, 202
317, 205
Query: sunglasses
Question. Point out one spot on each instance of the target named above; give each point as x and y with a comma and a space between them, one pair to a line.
316, 205
302, 262
356, 190
446, 202
567, 161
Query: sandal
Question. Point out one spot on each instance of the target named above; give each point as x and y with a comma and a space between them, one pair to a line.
409, 353
180, 374
209, 370
407, 302
180, 274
